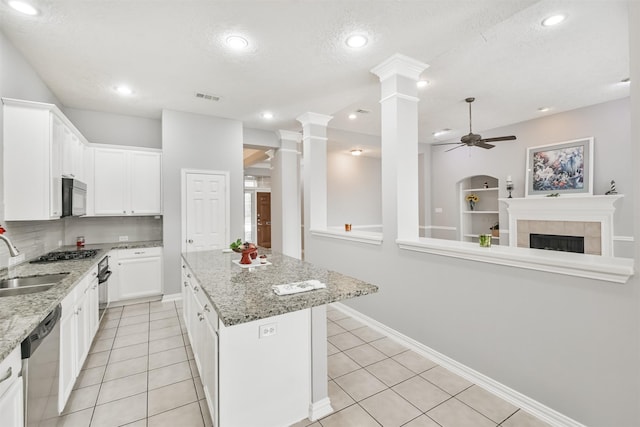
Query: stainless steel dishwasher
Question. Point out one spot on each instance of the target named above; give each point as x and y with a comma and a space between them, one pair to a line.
40, 368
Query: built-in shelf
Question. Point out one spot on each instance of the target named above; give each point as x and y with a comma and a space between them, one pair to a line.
485, 214
480, 212
473, 190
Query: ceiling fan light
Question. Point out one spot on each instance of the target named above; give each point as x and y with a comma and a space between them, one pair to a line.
553, 20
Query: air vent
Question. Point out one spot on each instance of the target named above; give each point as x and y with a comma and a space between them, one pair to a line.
207, 97
361, 111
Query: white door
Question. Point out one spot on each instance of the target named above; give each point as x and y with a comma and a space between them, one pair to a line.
205, 212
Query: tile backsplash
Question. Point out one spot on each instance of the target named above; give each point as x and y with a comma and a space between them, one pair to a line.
34, 238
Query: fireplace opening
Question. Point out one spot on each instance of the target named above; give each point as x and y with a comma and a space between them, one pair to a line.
553, 242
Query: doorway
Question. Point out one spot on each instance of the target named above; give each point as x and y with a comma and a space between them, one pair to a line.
205, 210
263, 218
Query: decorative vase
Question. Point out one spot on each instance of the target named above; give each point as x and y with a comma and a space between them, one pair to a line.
485, 240
472, 205
247, 255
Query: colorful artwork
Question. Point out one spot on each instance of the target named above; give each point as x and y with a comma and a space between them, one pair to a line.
560, 168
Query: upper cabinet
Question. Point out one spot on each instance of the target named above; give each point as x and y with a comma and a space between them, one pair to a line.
73, 156
127, 182
37, 140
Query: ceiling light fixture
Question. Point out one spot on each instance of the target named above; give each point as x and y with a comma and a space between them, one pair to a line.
267, 115
423, 83
356, 152
353, 116
553, 20
124, 90
23, 7
543, 109
441, 132
356, 41
237, 42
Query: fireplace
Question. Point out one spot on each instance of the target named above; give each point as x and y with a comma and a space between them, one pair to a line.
553, 242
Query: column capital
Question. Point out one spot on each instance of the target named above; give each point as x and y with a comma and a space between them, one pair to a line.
288, 135
314, 119
399, 64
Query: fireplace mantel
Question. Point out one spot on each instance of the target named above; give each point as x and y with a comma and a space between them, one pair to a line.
588, 209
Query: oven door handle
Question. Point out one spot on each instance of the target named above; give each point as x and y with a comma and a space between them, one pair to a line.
104, 277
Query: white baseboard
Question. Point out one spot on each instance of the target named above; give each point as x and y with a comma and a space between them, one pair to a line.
320, 409
527, 404
172, 297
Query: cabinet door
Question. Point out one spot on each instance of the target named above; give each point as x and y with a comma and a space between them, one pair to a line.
11, 406
140, 277
57, 141
209, 374
67, 357
145, 184
110, 182
93, 308
195, 326
82, 330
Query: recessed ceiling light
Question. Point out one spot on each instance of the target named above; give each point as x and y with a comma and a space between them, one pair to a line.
423, 83
23, 7
356, 41
124, 90
441, 132
267, 115
353, 116
543, 109
356, 152
553, 20
237, 42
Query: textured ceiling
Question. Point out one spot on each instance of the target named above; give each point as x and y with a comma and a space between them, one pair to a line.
297, 61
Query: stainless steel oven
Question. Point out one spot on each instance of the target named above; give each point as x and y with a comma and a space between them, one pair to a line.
103, 286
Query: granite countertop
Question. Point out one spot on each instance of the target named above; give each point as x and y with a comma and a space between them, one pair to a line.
242, 295
20, 314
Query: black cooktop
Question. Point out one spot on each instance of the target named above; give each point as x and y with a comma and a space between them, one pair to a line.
65, 256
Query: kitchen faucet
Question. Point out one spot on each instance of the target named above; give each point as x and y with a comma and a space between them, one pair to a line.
13, 251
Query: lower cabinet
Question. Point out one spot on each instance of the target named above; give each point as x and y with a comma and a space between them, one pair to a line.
11, 391
138, 273
78, 326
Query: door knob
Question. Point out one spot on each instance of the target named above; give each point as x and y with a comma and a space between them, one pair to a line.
268, 222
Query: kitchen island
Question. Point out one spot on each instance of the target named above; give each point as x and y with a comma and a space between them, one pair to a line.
262, 357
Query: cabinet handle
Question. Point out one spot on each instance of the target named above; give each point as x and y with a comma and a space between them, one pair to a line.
7, 375
79, 309
124, 212
189, 275
184, 266
206, 308
200, 317
186, 284
138, 253
196, 289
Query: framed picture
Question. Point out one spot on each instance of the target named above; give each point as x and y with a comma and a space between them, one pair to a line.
565, 168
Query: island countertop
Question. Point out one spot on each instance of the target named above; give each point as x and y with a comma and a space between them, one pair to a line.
242, 295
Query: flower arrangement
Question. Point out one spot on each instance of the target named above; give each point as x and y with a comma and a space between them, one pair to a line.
472, 199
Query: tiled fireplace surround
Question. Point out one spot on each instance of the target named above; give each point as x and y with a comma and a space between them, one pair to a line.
590, 230
590, 217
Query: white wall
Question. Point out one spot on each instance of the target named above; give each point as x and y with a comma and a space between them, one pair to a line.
609, 124
353, 190
19, 80
108, 128
196, 141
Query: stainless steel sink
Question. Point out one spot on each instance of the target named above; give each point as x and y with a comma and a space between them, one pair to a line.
29, 284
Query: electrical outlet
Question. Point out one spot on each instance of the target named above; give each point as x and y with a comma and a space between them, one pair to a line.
16, 260
123, 238
59, 243
438, 210
268, 330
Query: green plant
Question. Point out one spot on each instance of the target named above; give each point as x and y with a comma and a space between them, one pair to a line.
495, 226
236, 245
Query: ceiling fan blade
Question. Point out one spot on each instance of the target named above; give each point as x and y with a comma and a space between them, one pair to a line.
461, 145
482, 144
499, 138
446, 143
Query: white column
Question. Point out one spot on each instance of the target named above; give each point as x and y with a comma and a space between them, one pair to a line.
399, 130
314, 147
286, 235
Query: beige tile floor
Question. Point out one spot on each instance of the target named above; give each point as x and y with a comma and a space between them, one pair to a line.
140, 372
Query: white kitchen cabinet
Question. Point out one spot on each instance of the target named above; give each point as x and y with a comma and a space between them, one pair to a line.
34, 138
72, 155
139, 273
11, 390
127, 182
78, 326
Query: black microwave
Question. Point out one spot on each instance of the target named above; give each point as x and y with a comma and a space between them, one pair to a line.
74, 197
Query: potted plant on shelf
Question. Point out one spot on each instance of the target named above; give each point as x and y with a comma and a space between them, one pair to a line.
495, 230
